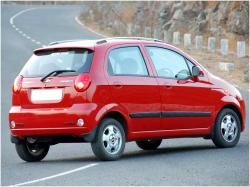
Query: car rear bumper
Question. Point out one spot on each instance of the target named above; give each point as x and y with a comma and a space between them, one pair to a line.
56, 121
22, 132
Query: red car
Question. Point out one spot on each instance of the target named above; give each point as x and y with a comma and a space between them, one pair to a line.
111, 91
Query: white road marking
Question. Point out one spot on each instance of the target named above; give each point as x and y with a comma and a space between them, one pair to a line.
19, 30
91, 30
57, 175
18, 14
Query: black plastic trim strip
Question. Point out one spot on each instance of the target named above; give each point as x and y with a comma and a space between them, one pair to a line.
186, 114
169, 114
146, 115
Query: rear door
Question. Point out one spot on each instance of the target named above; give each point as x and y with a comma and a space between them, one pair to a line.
186, 103
133, 88
56, 91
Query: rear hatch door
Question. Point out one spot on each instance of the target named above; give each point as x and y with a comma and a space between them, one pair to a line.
56, 91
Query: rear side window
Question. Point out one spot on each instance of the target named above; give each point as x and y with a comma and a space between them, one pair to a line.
44, 62
126, 61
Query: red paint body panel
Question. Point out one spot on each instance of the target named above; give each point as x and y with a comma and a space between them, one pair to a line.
125, 95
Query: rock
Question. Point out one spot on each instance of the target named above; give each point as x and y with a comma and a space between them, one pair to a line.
178, 15
176, 6
164, 16
201, 22
239, 23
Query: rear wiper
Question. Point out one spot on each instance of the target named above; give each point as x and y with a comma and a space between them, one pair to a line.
55, 73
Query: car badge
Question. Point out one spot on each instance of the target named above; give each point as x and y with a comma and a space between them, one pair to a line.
47, 80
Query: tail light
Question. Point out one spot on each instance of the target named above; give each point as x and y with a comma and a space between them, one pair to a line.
82, 82
17, 84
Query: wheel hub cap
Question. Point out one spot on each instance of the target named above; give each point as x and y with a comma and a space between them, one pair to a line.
229, 128
112, 139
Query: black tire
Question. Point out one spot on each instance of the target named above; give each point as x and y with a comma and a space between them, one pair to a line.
24, 150
149, 144
218, 131
100, 147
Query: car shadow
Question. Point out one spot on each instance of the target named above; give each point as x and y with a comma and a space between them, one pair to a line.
167, 151
134, 154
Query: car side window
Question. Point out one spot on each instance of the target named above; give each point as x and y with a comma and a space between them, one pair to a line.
126, 61
168, 64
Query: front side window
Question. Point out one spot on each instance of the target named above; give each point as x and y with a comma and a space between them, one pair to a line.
44, 62
126, 61
168, 64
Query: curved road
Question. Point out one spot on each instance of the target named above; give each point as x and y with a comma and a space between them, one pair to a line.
177, 162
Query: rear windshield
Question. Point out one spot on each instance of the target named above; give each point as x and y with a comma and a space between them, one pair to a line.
44, 62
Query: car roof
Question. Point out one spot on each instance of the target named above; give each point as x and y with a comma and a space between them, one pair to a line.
108, 42
91, 44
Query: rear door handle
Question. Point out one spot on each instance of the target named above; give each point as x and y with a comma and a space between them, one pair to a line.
168, 86
117, 84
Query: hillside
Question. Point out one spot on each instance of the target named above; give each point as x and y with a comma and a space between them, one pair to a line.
222, 19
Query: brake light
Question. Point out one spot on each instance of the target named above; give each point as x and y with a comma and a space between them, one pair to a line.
82, 82
17, 84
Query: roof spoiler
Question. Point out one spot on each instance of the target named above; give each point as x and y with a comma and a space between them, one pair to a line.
64, 41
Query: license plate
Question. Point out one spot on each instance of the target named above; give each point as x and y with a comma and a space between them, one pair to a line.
46, 95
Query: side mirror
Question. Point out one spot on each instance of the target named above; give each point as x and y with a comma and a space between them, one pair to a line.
196, 71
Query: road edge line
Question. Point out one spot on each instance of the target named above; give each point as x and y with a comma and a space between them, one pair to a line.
56, 175
91, 30
23, 34
18, 14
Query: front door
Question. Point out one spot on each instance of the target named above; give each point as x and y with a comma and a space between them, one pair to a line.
186, 103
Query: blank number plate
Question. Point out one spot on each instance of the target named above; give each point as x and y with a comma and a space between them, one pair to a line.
46, 95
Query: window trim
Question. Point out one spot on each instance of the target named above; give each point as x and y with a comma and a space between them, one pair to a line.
185, 59
190, 71
127, 75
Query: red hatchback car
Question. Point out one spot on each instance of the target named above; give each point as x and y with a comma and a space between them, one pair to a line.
114, 90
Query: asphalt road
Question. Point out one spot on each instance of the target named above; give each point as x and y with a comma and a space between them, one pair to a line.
189, 161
